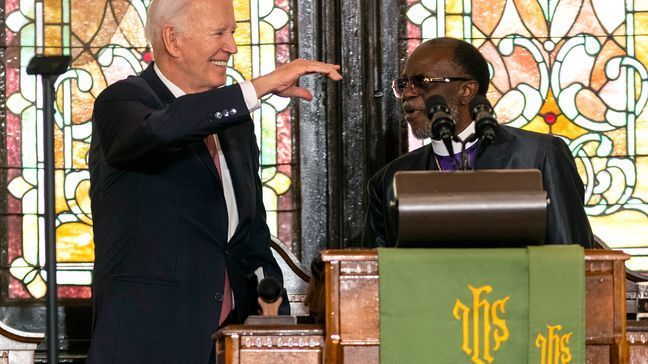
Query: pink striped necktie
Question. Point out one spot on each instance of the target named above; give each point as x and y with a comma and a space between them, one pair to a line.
226, 308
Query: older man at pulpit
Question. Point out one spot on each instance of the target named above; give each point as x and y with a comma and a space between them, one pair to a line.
457, 71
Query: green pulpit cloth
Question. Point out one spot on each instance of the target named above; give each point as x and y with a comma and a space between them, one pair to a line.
482, 305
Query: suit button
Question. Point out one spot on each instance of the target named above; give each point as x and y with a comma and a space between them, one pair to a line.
211, 118
219, 297
226, 113
218, 115
233, 111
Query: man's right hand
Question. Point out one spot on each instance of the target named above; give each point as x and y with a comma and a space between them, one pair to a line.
283, 80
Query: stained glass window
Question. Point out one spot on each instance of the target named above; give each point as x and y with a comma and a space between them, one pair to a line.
106, 42
573, 68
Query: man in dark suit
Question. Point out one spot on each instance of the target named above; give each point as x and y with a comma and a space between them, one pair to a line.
457, 71
179, 220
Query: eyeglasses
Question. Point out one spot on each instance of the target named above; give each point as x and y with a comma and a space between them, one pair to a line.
421, 82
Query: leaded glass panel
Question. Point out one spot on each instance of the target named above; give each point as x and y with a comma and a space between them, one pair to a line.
106, 42
573, 68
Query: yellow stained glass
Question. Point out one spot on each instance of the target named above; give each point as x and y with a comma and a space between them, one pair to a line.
588, 64
53, 38
74, 243
241, 10
280, 183
242, 62
52, 11
106, 41
242, 34
454, 25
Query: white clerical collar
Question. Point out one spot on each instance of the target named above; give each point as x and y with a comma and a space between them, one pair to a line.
175, 90
440, 148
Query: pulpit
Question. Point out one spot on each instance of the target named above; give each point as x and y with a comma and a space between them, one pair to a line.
352, 306
351, 333
254, 344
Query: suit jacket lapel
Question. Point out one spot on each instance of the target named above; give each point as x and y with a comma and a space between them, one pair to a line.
200, 150
166, 97
149, 75
422, 163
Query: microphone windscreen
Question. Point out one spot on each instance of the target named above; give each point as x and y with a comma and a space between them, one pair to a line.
477, 101
269, 289
435, 101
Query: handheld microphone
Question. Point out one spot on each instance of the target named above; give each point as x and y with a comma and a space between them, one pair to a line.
269, 289
443, 126
485, 123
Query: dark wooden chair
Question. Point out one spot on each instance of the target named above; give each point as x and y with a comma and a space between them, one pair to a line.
296, 277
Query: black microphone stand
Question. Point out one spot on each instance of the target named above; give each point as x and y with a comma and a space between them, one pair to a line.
49, 67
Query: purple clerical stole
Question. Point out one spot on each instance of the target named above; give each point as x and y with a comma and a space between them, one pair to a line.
451, 163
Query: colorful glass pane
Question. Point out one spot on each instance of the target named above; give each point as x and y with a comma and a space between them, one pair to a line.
106, 42
576, 69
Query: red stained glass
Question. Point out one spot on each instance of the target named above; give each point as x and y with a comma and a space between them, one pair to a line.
10, 6
285, 222
283, 54
286, 169
412, 44
284, 4
76, 292
284, 137
550, 118
282, 35
17, 289
12, 74
14, 134
147, 57
413, 31
13, 204
14, 237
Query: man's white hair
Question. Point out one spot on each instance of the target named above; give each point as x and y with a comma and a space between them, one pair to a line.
164, 12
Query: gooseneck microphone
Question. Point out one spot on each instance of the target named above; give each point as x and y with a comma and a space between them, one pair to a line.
443, 126
485, 123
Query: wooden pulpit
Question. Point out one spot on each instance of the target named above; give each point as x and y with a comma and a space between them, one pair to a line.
256, 344
351, 333
352, 306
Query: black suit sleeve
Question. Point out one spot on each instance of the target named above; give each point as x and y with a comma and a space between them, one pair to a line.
133, 125
567, 222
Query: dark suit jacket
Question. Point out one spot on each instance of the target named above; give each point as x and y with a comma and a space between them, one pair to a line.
512, 149
160, 220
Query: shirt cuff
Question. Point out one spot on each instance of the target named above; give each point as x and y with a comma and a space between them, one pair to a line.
249, 94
